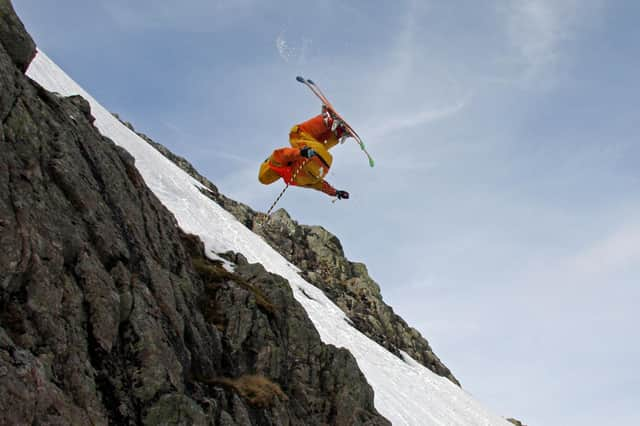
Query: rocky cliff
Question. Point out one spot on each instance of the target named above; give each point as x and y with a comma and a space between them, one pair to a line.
109, 314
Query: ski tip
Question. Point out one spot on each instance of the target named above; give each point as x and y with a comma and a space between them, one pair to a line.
310, 81
300, 79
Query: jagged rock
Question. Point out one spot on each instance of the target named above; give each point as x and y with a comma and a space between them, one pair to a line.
104, 316
320, 256
282, 345
176, 409
93, 271
14, 37
516, 422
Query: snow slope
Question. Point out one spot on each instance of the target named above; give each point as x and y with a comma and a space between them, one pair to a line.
405, 392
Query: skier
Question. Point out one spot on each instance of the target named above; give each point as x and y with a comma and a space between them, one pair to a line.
308, 161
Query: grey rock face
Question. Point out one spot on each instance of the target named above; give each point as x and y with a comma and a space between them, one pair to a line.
110, 315
95, 285
14, 37
270, 335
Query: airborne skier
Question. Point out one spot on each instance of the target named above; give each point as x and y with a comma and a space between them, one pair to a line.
308, 160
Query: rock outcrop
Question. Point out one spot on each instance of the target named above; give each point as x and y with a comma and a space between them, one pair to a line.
320, 256
17, 43
109, 314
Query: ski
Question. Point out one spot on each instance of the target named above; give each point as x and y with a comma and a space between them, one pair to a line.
325, 101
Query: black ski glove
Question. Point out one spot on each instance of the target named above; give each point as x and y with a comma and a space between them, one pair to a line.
342, 195
307, 152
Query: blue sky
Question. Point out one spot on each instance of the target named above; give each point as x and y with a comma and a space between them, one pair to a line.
501, 219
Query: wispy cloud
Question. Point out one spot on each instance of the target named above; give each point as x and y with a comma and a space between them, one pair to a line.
588, 274
610, 255
290, 53
537, 30
415, 119
400, 97
233, 157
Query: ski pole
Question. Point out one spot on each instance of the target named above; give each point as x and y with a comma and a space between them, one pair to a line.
276, 202
293, 176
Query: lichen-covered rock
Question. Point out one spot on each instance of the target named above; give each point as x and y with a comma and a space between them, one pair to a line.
319, 384
96, 292
14, 37
176, 409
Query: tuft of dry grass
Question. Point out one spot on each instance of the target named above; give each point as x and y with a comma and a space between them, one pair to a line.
213, 274
258, 390
211, 271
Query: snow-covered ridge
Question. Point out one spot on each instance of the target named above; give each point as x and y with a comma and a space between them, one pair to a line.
405, 392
